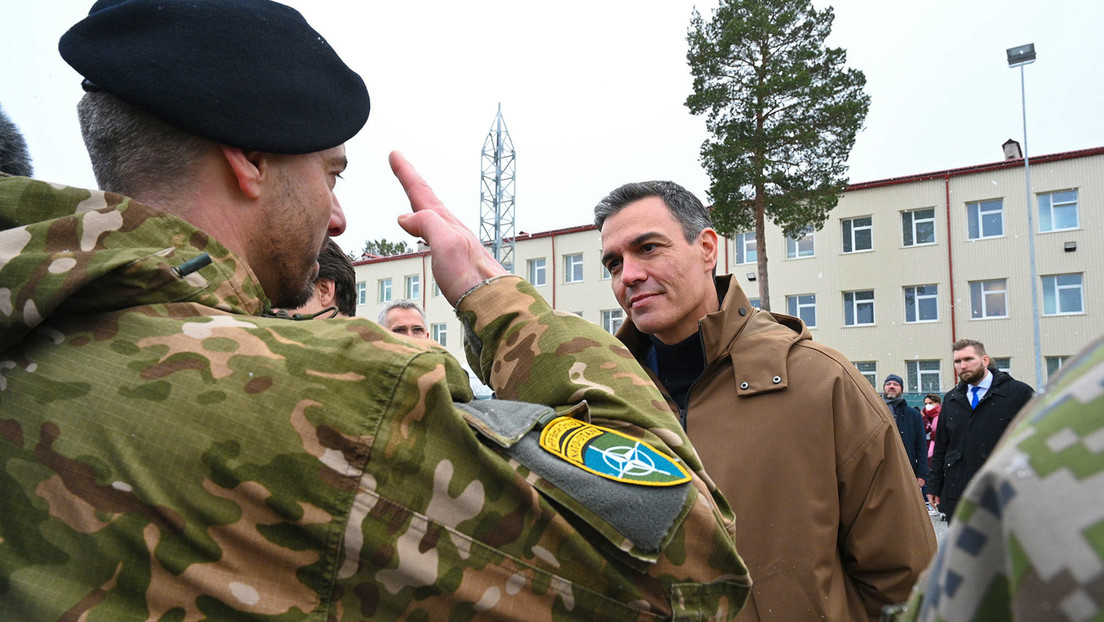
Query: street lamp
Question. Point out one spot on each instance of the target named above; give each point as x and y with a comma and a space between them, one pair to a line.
1020, 56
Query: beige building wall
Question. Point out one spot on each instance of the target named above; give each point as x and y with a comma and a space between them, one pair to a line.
950, 262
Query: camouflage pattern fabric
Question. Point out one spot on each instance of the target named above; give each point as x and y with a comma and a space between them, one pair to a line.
1027, 541
167, 453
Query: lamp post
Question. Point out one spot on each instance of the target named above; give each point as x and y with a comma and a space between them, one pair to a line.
1020, 56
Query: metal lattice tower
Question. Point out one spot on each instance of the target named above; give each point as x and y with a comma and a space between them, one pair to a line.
496, 194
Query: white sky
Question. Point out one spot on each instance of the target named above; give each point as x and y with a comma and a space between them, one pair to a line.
592, 92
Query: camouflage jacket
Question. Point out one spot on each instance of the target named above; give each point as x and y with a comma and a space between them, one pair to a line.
168, 453
1027, 540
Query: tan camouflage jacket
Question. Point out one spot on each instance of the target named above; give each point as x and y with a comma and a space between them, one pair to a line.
168, 453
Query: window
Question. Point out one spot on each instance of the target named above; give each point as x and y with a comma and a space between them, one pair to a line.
857, 235
988, 299
1053, 364
918, 227
922, 303
754, 302
612, 319
800, 247
538, 271
745, 248
606, 273
858, 308
573, 268
985, 219
412, 287
440, 333
803, 306
869, 370
436, 290
1062, 294
1003, 363
362, 292
924, 377
385, 290
1058, 211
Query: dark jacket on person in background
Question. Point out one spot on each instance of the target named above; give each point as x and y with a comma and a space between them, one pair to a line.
911, 426
965, 436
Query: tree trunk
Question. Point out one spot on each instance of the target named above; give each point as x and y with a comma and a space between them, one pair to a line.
761, 247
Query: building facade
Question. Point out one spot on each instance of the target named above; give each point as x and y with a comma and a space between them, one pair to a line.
901, 269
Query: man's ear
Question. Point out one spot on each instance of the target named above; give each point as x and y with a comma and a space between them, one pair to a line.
326, 289
709, 243
249, 169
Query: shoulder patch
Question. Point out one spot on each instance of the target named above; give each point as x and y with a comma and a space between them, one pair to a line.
610, 454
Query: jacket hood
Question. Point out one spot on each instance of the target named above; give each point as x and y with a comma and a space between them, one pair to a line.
68, 251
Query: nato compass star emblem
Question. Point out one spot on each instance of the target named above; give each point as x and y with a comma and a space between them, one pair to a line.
610, 454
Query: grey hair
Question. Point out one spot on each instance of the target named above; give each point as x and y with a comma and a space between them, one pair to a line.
684, 206
400, 304
134, 153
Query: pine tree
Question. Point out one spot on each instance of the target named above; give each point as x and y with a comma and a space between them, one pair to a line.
782, 111
381, 248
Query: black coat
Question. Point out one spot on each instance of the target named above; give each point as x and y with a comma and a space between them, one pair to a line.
965, 437
911, 426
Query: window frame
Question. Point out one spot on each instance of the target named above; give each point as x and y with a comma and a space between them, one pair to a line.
412, 286
852, 309
362, 292
974, 315
849, 231
913, 223
535, 266
741, 242
1050, 282
793, 245
439, 332
871, 375
1049, 218
573, 262
916, 305
610, 322
975, 219
798, 305
383, 290
914, 376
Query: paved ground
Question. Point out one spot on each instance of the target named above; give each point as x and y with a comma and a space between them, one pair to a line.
940, 529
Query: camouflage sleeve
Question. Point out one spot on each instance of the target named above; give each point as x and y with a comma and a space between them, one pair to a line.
524, 350
1024, 543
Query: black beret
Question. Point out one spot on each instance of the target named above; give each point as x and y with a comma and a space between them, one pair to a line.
251, 74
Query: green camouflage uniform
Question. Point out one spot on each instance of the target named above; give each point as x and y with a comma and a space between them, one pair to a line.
1027, 540
167, 453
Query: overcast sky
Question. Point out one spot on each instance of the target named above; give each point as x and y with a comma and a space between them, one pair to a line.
592, 92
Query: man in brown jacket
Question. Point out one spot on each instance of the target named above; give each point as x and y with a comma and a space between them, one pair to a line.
827, 515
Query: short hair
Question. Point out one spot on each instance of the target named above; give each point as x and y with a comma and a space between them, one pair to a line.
966, 343
132, 152
933, 397
400, 304
334, 264
14, 157
684, 206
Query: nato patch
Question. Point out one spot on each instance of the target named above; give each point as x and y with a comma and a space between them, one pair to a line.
610, 454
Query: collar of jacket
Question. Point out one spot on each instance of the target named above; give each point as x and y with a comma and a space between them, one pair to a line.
997, 387
759, 364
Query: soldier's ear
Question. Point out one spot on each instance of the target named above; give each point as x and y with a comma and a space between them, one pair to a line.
326, 288
248, 168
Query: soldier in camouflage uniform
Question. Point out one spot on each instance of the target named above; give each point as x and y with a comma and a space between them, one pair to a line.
169, 451
1027, 540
